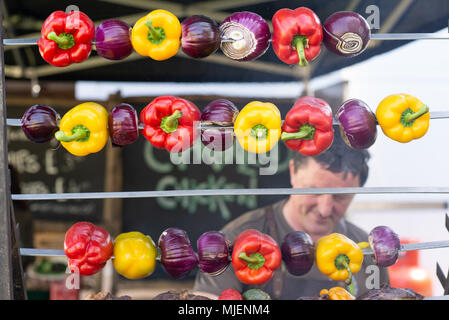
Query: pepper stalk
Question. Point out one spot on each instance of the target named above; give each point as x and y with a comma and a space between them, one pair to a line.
300, 43
342, 262
306, 132
408, 117
155, 34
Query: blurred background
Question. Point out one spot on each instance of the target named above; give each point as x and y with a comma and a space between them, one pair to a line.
419, 68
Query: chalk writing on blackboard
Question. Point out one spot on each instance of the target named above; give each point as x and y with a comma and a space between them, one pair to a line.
49, 168
171, 176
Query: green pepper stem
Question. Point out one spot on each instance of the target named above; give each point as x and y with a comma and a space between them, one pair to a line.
409, 117
254, 261
64, 40
259, 131
170, 123
244, 257
299, 42
155, 34
341, 262
351, 288
306, 132
79, 133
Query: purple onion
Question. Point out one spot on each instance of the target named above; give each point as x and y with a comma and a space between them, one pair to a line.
244, 36
113, 40
40, 122
298, 252
358, 124
177, 255
223, 113
385, 244
123, 125
200, 36
213, 252
346, 33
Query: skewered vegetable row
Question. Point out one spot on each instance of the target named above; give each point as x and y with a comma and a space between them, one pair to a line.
297, 37
254, 255
171, 123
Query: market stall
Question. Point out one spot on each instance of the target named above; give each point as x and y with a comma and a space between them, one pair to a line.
158, 40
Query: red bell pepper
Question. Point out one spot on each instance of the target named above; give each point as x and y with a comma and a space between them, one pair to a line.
308, 126
169, 123
66, 38
255, 256
230, 294
297, 35
87, 248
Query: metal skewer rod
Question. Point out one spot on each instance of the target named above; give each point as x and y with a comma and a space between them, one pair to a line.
409, 36
366, 251
31, 252
41, 252
374, 36
227, 192
20, 42
415, 246
433, 115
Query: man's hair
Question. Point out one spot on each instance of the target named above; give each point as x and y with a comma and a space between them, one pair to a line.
339, 158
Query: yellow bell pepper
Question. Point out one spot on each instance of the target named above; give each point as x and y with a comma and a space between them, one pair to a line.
258, 126
337, 293
134, 255
84, 129
338, 257
402, 117
157, 35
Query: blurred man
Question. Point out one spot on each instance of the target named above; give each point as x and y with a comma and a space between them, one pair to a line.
317, 215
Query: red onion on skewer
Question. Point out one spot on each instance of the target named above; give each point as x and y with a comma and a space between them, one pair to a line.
123, 125
385, 244
298, 252
219, 112
358, 124
113, 40
213, 252
346, 33
40, 122
177, 255
244, 36
200, 36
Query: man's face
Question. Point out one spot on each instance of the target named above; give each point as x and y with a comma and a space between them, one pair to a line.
317, 215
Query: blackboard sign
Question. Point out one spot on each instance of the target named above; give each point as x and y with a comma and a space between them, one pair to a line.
148, 168
49, 168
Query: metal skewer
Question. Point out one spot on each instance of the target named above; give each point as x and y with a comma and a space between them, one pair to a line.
415, 246
227, 192
20, 42
433, 115
366, 251
41, 252
374, 36
409, 36
31, 252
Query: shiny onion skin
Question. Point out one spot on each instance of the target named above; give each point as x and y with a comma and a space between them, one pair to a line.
251, 35
219, 112
298, 252
213, 252
123, 125
177, 255
346, 33
40, 122
357, 123
113, 40
200, 36
385, 244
